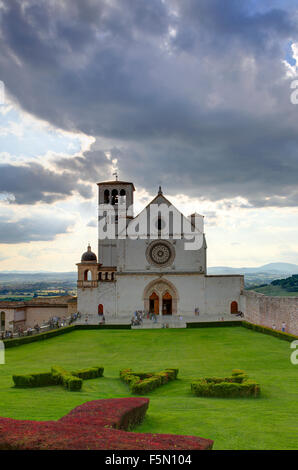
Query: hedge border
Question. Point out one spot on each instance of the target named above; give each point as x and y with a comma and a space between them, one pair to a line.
211, 324
269, 331
10, 343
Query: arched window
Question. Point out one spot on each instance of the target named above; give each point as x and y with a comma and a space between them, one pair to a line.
234, 307
122, 196
100, 309
114, 197
87, 275
99, 275
106, 196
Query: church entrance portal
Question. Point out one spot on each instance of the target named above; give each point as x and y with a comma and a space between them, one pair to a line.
161, 297
167, 304
154, 303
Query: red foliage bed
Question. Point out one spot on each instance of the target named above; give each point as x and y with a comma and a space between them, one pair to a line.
99, 424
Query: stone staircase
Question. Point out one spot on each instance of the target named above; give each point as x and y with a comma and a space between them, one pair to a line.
162, 321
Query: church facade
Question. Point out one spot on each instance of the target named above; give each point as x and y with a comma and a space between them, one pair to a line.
155, 262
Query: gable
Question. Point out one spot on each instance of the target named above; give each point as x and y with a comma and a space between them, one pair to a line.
172, 223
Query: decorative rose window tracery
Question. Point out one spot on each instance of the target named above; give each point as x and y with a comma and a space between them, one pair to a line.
160, 253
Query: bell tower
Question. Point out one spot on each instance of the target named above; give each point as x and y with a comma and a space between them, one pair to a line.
115, 207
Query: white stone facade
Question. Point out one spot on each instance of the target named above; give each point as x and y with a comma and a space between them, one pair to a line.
157, 275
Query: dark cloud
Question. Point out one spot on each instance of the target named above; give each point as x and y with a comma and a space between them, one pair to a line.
188, 94
33, 183
30, 229
93, 166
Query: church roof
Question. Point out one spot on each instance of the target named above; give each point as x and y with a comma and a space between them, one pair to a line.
115, 183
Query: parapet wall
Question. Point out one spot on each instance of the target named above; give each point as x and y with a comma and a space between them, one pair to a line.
267, 311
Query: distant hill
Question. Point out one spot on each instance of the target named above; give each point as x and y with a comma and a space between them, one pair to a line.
270, 268
253, 276
279, 287
31, 276
260, 274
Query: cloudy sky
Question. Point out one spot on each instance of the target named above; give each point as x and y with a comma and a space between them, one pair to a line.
193, 95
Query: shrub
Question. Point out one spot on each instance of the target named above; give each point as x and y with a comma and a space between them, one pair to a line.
41, 379
69, 381
237, 385
58, 375
96, 425
91, 373
142, 382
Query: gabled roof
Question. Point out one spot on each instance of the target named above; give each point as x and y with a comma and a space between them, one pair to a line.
160, 199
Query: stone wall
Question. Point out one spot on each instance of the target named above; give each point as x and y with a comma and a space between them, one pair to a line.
266, 310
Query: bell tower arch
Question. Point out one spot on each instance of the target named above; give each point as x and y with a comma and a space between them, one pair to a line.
115, 202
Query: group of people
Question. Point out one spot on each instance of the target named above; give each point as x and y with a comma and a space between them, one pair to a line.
137, 318
73, 317
57, 322
283, 327
53, 323
6, 334
139, 315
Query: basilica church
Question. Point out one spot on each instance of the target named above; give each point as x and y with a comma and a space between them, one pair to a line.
151, 264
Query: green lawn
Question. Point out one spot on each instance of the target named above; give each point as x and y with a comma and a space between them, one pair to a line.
269, 422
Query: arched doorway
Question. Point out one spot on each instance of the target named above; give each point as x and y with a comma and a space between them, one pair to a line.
167, 304
154, 303
100, 309
234, 307
2, 321
162, 295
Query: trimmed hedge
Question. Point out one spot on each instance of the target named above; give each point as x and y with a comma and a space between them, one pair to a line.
211, 324
121, 326
142, 382
11, 343
70, 380
269, 331
237, 385
91, 373
41, 379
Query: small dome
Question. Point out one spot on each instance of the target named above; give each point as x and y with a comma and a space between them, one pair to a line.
88, 255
